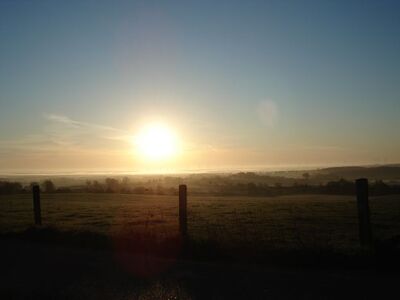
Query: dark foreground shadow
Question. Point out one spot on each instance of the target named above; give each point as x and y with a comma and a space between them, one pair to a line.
47, 263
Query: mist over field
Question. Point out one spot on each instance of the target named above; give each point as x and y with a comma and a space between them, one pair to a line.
333, 180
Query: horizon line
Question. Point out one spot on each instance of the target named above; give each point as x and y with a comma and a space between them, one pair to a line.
120, 172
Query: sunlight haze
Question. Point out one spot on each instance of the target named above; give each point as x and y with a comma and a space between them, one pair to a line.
251, 84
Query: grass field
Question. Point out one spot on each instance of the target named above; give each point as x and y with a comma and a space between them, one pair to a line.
240, 247
315, 221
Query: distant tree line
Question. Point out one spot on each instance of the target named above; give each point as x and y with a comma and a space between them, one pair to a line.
14, 187
339, 187
208, 186
124, 186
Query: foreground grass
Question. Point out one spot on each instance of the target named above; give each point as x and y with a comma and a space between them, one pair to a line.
148, 248
287, 222
113, 246
50, 264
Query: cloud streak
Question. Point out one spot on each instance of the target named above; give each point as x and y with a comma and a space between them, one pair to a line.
79, 124
63, 133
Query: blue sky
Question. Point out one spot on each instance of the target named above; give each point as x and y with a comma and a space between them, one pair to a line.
244, 83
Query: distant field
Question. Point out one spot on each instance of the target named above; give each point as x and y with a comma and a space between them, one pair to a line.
278, 222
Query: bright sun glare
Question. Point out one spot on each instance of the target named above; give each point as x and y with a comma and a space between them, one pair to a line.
156, 142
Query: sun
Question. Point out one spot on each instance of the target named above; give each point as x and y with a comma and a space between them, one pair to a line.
156, 142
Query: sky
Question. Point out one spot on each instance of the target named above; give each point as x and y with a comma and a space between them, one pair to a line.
242, 84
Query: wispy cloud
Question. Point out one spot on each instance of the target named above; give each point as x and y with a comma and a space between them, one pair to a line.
66, 131
74, 123
62, 133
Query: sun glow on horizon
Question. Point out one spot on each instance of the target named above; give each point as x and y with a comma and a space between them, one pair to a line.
156, 142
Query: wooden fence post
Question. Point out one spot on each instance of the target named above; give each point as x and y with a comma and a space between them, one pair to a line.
36, 205
183, 209
363, 213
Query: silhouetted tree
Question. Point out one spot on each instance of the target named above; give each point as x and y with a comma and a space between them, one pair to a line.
125, 188
97, 187
88, 185
10, 187
48, 186
112, 185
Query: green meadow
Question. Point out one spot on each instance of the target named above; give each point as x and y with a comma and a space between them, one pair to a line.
314, 221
